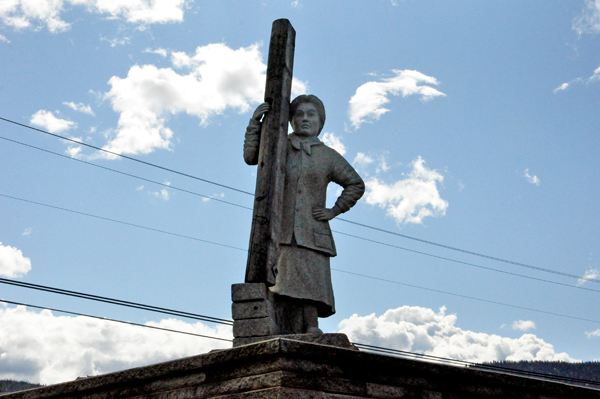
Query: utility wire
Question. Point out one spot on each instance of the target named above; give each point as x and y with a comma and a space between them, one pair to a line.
342, 219
487, 367
372, 348
128, 157
466, 263
342, 271
125, 223
114, 301
125, 174
471, 253
114, 320
466, 296
348, 221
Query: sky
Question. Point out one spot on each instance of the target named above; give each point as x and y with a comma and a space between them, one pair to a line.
475, 125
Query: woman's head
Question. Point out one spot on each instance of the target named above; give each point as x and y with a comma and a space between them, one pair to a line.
308, 99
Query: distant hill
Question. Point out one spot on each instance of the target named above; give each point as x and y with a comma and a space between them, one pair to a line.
14, 386
584, 371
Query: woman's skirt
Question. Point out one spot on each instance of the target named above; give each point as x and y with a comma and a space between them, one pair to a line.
305, 274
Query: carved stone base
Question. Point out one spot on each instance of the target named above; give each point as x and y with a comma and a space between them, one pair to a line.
253, 313
281, 368
338, 340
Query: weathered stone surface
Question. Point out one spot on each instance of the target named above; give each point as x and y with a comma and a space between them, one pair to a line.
270, 175
285, 368
339, 340
250, 309
253, 327
249, 292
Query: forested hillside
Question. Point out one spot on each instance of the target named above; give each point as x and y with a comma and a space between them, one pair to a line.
585, 371
13, 386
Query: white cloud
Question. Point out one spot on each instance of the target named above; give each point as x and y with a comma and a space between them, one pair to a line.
523, 325
596, 76
82, 346
422, 330
333, 141
24, 13
412, 199
4, 39
13, 263
595, 333
159, 51
162, 194
117, 41
562, 87
51, 123
366, 105
589, 21
531, 179
362, 159
140, 188
298, 87
80, 107
27, 232
590, 274
205, 199
216, 78
74, 151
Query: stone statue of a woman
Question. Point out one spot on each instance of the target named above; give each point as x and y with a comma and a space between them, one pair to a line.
303, 287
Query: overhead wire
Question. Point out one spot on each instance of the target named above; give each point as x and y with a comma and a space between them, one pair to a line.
486, 367
113, 320
366, 347
467, 296
471, 253
124, 223
114, 301
206, 197
128, 157
452, 248
466, 263
342, 271
224, 321
580, 278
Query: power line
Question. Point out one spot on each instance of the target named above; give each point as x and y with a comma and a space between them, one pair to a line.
467, 297
125, 223
487, 367
467, 263
115, 301
372, 348
128, 157
338, 232
126, 174
342, 271
471, 253
114, 320
338, 218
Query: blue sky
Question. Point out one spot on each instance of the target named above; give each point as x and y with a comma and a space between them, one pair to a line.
474, 124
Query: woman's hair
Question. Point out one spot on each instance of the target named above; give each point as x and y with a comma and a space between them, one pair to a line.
314, 100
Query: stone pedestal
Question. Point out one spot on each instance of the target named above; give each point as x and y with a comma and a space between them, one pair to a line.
281, 368
253, 313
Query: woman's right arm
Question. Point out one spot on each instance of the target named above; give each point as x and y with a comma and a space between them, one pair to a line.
252, 139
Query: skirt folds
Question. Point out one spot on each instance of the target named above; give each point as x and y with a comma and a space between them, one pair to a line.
306, 275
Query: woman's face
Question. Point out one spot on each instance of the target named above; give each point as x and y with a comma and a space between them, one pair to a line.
306, 121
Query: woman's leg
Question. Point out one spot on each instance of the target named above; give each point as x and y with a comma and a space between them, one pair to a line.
311, 319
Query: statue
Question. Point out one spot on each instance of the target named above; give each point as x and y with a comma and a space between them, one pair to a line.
303, 289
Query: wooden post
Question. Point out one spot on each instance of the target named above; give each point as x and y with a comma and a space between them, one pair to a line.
270, 176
